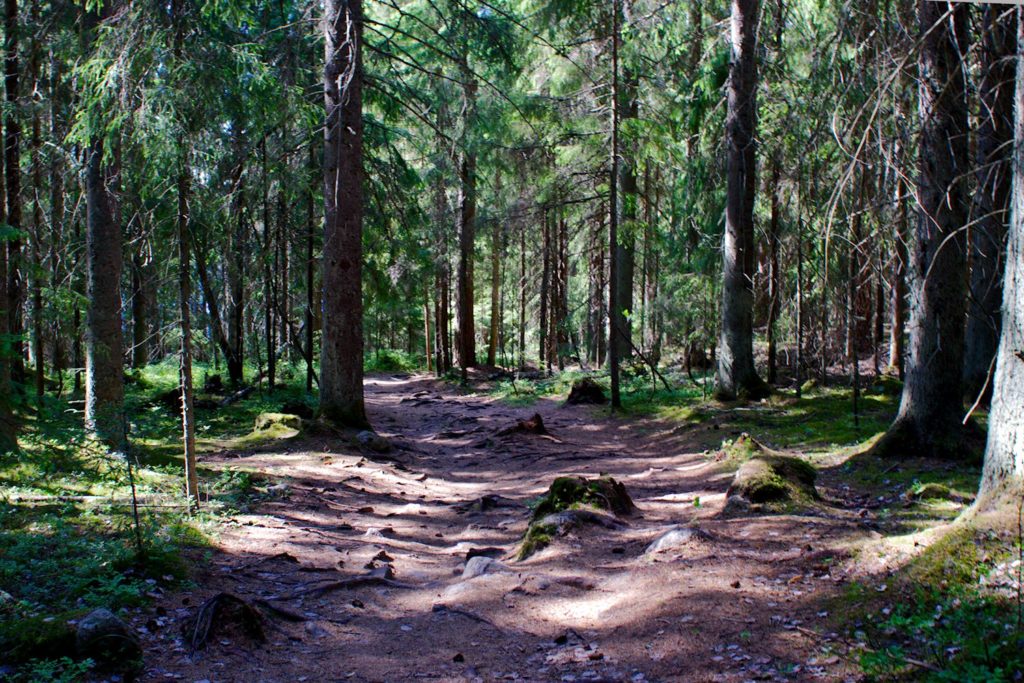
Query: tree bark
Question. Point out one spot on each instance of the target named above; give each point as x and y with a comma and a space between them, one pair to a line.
897, 327
188, 420
1002, 480
929, 421
987, 234
737, 377
341, 373
492, 341
104, 363
12, 164
466, 338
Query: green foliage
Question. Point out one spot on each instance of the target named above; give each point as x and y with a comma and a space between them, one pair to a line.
60, 670
391, 360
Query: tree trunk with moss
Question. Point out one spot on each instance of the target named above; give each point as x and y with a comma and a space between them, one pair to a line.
929, 422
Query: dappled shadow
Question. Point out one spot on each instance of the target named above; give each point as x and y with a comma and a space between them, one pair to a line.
740, 604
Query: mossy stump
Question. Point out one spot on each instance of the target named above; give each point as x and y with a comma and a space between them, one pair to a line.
572, 502
771, 483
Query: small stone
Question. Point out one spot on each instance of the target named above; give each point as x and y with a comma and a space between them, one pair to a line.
480, 565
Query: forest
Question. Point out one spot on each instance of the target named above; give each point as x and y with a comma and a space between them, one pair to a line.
531, 340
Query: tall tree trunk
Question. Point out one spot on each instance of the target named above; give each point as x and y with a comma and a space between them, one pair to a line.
737, 377
545, 290
341, 365
38, 356
931, 410
188, 419
234, 354
57, 232
104, 364
12, 164
140, 308
466, 337
492, 342
1002, 480
269, 278
8, 426
991, 200
616, 319
774, 277
899, 284
522, 294
310, 237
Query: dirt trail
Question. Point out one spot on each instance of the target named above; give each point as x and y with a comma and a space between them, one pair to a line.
740, 605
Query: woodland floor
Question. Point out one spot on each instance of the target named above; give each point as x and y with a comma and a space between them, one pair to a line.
750, 603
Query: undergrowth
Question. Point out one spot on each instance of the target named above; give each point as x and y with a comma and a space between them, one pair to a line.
68, 542
942, 618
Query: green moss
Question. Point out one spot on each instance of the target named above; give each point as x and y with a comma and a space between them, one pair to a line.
265, 421
571, 493
538, 537
775, 479
566, 493
741, 449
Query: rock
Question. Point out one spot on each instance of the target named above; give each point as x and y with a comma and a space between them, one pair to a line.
268, 421
373, 441
586, 392
677, 537
104, 638
772, 479
480, 565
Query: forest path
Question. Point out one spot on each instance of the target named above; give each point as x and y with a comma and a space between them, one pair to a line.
739, 605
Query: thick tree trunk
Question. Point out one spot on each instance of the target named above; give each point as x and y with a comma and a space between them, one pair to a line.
104, 363
1002, 480
737, 377
931, 410
341, 365
988, 233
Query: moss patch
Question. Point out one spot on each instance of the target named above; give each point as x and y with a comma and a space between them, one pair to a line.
566, 493
769, 483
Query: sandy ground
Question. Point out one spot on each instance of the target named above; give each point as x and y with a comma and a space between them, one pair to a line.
749, 601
